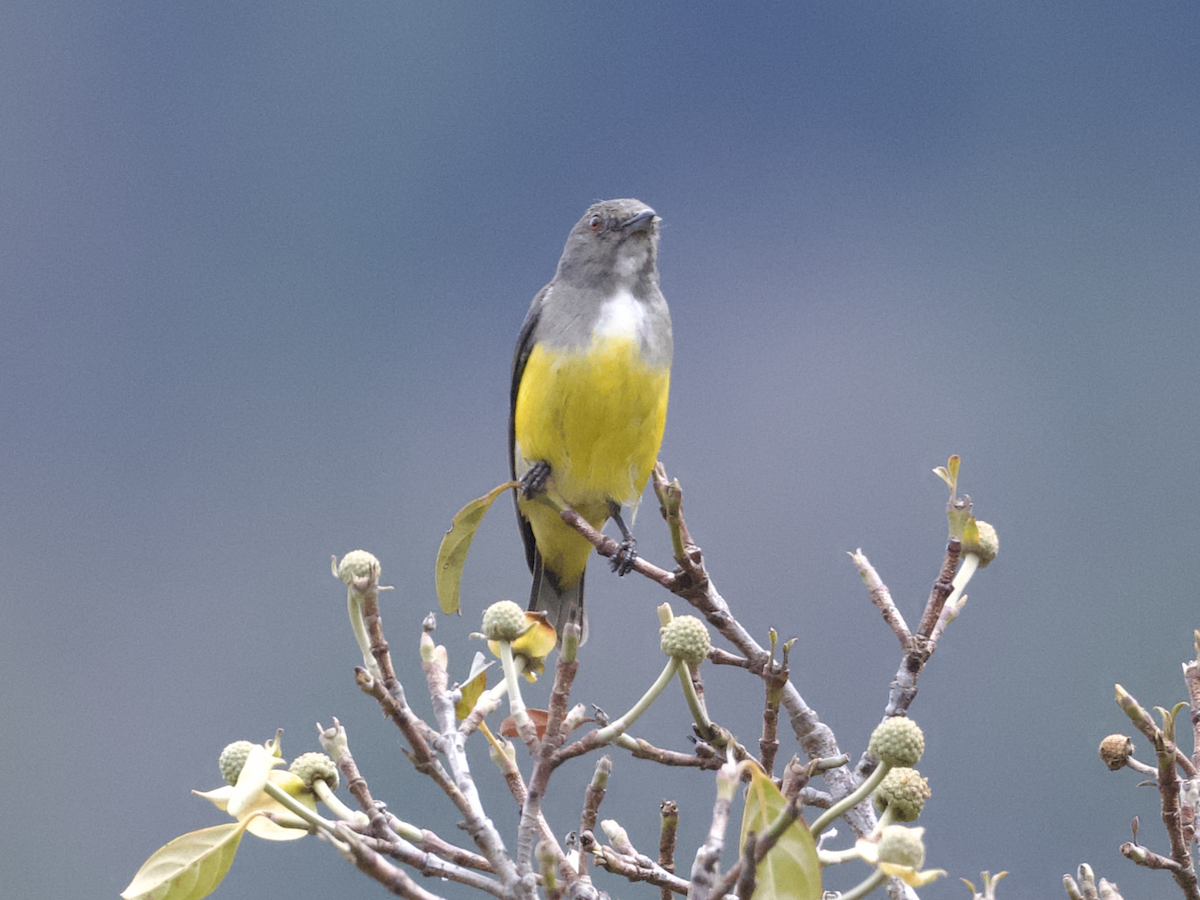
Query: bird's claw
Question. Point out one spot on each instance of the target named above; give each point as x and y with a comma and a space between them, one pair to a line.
626, 555
533, 482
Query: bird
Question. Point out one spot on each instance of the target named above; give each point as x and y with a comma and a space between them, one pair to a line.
591, 376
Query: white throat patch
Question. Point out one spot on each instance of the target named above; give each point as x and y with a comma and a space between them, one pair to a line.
621, 316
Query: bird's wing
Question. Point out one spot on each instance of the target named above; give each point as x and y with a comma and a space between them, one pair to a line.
520, 357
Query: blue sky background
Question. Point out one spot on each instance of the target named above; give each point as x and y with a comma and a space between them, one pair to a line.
262, 267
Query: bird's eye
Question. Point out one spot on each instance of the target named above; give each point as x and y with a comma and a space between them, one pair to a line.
595, 222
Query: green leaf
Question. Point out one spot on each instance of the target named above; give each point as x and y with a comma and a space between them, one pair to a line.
1170, 717
790, 870
958, 511
452, 554
190, 867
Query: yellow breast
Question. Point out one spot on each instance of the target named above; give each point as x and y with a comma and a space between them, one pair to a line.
595, 415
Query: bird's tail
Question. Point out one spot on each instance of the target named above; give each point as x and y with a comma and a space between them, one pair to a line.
561, 603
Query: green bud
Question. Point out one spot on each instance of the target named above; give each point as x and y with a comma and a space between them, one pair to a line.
904, 792
617, 836
986, 547
309, 767
358, 564
504, 621
233, 757
897, 741
902, 846
686, 639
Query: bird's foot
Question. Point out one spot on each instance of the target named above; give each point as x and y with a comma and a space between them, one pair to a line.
533, 482
626, 555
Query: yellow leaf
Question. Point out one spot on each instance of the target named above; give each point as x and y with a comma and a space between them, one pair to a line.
252, 779
190, 867
949, 474
534, 644
261, 826
452, 554
970, 532
790, 870
952, 464
538, 639
473, 688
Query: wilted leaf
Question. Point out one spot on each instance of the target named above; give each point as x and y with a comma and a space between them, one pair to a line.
789, 871
190, 867
508, 727
452, 554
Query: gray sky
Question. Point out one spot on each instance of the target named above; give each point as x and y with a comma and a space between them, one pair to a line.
262, 267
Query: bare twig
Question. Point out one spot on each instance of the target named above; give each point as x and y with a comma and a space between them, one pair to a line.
594, 795
592, 798
693, 584
881, 597
452, 744
335, 743
745, 878
608, 548
378, 868
432, 865
1170, 759
704, 869
941, 589
775, 676
1191, 678
1144, 856
668, 826
544, 763
641, 869
433, 843
721, 657
919, 647
704, 757
363, 852
415, 730
1142, 721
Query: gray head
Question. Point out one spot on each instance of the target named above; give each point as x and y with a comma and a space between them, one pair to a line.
614, 245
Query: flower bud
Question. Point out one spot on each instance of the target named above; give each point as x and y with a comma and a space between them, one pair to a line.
904, 792
233, 757
686, 639
358, 564
897, 741
504, 621
901, 846
311, 766
986, 547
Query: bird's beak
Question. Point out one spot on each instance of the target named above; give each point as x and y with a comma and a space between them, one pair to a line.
641, 221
